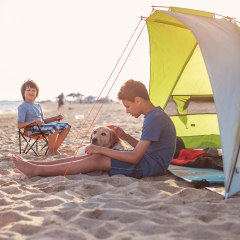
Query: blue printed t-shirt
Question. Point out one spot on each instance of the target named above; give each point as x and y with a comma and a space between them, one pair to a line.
28, 112
160, 130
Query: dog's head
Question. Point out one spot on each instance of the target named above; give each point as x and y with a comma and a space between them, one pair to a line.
104, 137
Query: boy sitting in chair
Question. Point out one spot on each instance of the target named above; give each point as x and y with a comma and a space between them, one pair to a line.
30, 113
151, 155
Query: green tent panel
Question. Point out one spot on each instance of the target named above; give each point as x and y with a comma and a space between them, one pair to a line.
195, 132
196, 56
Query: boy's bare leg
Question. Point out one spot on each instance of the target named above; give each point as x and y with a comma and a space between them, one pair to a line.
60, 139
51, 143
86, 165
62, 160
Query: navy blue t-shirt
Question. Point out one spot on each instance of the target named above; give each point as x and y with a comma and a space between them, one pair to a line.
160, 130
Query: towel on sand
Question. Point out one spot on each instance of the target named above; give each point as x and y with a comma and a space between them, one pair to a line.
198, 159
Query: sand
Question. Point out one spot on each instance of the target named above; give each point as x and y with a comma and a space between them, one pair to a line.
96, 206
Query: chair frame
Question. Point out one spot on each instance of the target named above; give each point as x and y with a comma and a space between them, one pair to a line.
31, 142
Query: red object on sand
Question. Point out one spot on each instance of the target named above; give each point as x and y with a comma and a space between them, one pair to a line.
187, 155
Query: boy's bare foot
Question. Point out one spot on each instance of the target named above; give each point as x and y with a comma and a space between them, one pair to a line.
19, 158
26, 168
22, 159
57, 152
50, 153
53, 153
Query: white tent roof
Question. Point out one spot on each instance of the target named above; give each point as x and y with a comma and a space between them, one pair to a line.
219, 41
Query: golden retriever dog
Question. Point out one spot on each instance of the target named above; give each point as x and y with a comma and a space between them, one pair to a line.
105, 137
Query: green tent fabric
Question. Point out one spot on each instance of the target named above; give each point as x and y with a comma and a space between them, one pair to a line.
196, 57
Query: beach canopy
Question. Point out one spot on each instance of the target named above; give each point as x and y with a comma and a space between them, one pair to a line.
195, 66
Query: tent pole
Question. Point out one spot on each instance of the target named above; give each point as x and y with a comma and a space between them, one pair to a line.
232, 172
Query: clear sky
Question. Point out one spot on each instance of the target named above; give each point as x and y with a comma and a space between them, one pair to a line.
73, 45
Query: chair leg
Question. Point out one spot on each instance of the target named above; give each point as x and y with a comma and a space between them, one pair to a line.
27, 143
46, 151
32, 147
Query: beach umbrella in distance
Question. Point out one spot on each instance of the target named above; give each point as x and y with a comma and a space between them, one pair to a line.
74, 97
89, 99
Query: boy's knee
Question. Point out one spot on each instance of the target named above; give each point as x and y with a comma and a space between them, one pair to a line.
54, 133
103, 162
67, 129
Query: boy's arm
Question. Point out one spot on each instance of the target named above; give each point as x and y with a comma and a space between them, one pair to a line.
126, 156
24, 124
131, 140
53, 119
124, 136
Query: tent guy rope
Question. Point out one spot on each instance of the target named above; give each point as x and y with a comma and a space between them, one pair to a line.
109, 89
104, 87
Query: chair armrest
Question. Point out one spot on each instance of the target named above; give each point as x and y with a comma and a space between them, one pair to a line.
29, 125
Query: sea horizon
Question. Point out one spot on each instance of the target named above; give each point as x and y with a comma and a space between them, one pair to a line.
11, 106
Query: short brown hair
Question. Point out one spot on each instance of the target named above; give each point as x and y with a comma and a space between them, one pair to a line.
29, 83
132, 89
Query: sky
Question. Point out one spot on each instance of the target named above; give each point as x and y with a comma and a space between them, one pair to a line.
72, 46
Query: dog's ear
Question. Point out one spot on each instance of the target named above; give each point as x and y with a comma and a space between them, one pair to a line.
113, 138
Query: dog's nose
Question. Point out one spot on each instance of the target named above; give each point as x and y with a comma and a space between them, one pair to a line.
94, 141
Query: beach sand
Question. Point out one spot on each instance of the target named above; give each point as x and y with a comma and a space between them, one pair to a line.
96, 206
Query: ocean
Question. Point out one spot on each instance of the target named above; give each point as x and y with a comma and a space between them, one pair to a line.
9, 106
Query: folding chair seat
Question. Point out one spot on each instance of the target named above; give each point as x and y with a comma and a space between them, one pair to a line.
32, 142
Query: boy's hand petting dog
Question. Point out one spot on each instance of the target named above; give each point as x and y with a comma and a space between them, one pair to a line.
93, 149
103, 137
119, 131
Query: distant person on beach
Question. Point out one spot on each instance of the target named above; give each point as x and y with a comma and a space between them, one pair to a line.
30, 112
60, 101
151, 155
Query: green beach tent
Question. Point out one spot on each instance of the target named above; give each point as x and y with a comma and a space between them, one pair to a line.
195, 66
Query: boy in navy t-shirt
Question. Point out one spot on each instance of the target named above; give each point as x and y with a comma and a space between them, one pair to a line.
151, 155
